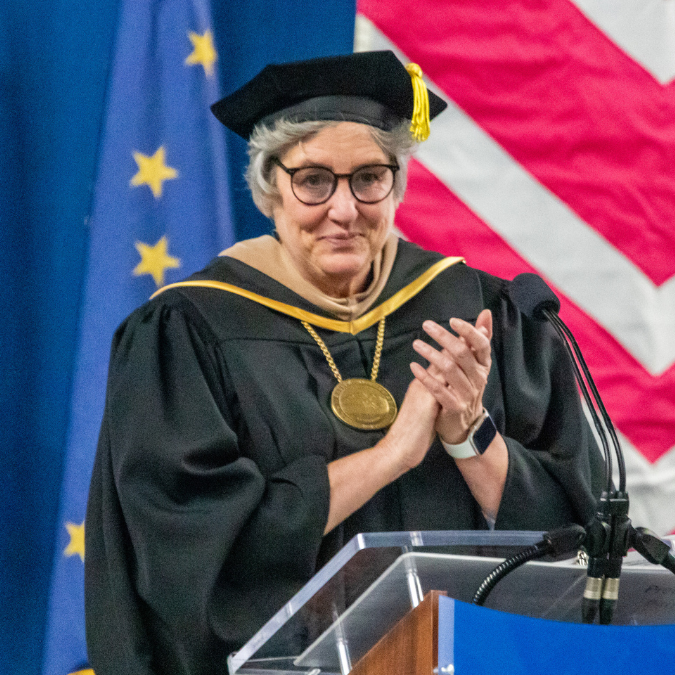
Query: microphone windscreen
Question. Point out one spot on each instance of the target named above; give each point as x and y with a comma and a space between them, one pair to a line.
532, 296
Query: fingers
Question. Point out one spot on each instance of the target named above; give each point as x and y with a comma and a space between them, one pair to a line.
477, 337
447, 397
484, 323
462, 359
457, 373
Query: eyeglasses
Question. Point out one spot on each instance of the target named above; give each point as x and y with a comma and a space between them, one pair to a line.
314, 185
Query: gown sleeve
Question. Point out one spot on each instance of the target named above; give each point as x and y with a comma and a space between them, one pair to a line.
555, 471
179, 523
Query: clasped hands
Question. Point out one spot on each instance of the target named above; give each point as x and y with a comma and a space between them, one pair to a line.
446, 397
457, 373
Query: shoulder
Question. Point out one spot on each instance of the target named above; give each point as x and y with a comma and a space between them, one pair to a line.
412, 255
412, 261
226, 300
168, 311
477, 288
495, 290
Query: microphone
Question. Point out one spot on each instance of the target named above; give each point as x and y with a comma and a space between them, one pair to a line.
608, 533
531, 295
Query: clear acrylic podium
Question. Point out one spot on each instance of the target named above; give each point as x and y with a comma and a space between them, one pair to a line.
377, 579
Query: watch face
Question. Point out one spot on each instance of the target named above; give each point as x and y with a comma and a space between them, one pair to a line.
483, 436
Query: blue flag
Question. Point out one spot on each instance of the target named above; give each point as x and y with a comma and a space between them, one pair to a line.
160, 211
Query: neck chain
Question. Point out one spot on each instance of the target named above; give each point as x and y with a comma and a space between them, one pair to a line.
360, 403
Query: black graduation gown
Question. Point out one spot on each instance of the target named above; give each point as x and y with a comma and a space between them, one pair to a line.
210, 490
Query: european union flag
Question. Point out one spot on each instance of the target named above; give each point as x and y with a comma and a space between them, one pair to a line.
160, 211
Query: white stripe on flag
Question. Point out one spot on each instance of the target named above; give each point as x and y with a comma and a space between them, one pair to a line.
644, 29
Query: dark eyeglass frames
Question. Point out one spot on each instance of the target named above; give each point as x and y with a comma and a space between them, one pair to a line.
314, 185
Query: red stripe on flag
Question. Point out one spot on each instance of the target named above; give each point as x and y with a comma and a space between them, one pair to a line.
568, 104
640, 404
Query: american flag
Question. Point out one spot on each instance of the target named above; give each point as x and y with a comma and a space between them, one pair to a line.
556, 155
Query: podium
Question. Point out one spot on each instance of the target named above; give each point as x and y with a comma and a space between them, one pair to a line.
399, 602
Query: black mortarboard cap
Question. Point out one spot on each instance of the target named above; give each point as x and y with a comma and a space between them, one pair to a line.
368, 87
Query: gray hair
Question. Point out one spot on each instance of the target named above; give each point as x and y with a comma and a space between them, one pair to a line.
266, 143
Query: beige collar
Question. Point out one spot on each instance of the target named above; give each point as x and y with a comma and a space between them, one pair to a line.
267, 255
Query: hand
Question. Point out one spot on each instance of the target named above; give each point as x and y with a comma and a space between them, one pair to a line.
457, 373
413, 430
354, 479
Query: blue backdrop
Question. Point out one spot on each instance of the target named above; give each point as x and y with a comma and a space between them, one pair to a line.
54, 64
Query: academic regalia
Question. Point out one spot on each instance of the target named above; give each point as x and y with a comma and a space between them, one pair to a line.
210, 490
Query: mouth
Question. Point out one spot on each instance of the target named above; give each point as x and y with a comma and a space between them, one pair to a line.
341, 237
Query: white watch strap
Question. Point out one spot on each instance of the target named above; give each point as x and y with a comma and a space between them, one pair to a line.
466, 448
462, 450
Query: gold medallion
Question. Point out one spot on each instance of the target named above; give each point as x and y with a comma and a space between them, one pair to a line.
363, 404
360, 403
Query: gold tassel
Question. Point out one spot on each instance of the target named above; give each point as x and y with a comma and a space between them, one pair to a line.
419, 126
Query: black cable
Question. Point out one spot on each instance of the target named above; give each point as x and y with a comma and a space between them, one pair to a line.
557, 542
498, 573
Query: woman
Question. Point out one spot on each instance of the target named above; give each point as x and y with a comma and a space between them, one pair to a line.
266, 410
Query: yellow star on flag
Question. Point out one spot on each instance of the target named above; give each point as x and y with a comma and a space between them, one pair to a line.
155, 260
152, 171
203, 52
86, 671
76, 545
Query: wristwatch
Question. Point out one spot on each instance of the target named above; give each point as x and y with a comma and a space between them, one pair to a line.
481, 433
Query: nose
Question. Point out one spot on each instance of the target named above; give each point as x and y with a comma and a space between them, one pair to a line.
342, 203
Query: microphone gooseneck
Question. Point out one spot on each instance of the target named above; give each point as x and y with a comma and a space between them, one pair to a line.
532, 296
556, 543
610, 534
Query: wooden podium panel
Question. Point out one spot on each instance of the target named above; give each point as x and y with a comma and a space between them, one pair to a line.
410, 647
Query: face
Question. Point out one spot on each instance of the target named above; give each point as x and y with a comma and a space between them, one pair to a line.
333, 244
